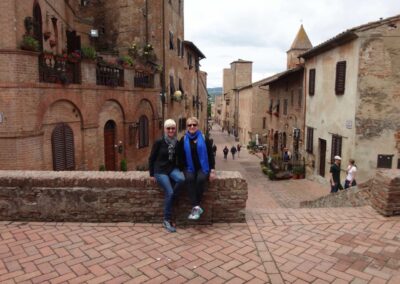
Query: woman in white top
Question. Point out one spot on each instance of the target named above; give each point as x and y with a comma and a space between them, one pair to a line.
351, 174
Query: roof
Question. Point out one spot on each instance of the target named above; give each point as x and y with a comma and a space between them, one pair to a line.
301, 41
193, 47
241, 61
284, 74
261, 82
345, 37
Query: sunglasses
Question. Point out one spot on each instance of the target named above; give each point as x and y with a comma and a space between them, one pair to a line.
192, 125
170, 128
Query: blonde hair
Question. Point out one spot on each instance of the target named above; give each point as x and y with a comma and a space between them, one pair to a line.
169, 123
193, 119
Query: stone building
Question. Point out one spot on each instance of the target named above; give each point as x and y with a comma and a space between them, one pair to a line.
61, 111
352, 88
285, 118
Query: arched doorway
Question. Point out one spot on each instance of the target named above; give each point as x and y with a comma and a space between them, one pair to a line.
62, 140
37, 24
109, 148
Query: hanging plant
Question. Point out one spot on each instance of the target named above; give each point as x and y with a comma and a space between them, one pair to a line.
30, 43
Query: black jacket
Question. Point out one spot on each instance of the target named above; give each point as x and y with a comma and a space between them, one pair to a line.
158, 160
196, 162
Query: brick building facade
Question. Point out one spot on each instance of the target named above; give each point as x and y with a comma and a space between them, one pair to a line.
61, 112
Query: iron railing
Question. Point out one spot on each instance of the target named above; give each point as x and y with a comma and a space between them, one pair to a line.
53, 69
107, 75
143, 80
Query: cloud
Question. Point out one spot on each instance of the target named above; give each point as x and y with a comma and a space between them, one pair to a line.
263, 30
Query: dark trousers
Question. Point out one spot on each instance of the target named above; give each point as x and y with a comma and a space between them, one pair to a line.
336, 187
347, 183
196, 184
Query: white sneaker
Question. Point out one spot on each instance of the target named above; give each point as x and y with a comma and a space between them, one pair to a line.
195, 214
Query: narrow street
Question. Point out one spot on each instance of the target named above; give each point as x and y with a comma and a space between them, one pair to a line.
263, 193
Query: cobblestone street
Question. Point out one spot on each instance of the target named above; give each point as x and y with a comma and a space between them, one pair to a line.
280, 243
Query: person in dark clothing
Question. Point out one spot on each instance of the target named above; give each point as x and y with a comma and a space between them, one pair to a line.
214, 149
233, 151
335, 175
163, 167
226, 152
238, 147
198, 162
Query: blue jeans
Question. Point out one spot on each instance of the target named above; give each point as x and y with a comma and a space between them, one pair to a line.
171, 184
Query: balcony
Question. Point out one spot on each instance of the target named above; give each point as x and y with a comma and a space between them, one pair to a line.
55, 69
143, 79
108, 75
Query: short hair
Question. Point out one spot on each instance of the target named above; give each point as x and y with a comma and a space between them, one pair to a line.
352, 161
192, 118
169, 123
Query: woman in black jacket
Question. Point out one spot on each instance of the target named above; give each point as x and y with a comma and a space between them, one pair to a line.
197, 159
163, 168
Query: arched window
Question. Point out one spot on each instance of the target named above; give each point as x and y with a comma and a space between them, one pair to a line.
62, 140
143, 132
37, 24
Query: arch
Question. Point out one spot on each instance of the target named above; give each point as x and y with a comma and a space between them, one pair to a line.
62, 141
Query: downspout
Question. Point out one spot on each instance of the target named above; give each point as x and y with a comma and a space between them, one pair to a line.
197, 91
147, 21
163, 85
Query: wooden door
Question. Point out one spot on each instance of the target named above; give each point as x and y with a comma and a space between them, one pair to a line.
109, 148
322, 157
62, 140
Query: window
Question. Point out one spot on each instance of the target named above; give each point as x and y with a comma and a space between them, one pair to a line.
271, 106
181, 86
179, 47
340, 77
292, 98
264, 122
190, 60
171, 40
62, 142
310, 138
84, 3
336, 146
300, 98
385, 161
277, 106
143, 132
285, 106
311, 82
171, 85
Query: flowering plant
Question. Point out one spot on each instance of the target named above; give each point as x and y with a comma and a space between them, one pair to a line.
74, 56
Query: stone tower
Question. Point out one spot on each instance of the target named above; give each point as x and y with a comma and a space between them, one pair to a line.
300, 45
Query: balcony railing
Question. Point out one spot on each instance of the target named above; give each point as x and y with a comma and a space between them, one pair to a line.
53, 69
107, 75
143, 80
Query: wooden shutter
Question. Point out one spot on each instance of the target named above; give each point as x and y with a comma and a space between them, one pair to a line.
340, 77
310, 138
311, 82
62, 140
171, 85
143, 132
336, 146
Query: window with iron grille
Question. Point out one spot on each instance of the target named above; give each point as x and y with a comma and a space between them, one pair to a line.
384, 161
310, 140
336, 146
143, 132
311, 82
285, 106
171, 40
340, 77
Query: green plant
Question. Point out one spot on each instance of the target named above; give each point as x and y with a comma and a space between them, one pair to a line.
124, 165
125, 60
102, 168
30, 43
299, 170
88, 52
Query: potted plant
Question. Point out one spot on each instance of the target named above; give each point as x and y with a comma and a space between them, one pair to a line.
88, 52
30, 43
124, 165
74, 56
48, 54
125, 60
177, 96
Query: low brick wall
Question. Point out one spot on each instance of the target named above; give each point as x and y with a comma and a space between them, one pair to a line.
111, 197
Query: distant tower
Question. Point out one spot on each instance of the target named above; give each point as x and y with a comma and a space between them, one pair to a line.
300, 45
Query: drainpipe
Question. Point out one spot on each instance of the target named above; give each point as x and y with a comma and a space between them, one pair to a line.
163, 85
147, 21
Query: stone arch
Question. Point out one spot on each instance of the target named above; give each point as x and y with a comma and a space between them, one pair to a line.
62, 111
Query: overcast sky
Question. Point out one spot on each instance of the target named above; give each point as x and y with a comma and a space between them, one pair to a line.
263, 30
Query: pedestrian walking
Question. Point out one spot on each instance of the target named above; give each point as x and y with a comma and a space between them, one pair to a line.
238, 149
198, 162
335, 175
351, 174
233, 151
214, 149
225, 151
163, 168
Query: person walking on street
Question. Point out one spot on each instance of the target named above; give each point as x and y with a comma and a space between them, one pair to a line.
233, 151
163, 169
214, 149
335, 175
196, 157
238, 149
226, 151
351, 175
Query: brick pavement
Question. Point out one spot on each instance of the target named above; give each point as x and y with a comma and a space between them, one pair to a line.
279, 244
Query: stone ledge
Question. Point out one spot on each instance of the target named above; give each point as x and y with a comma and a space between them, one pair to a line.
111, 197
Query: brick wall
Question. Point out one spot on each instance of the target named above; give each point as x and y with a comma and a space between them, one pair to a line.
111, 197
